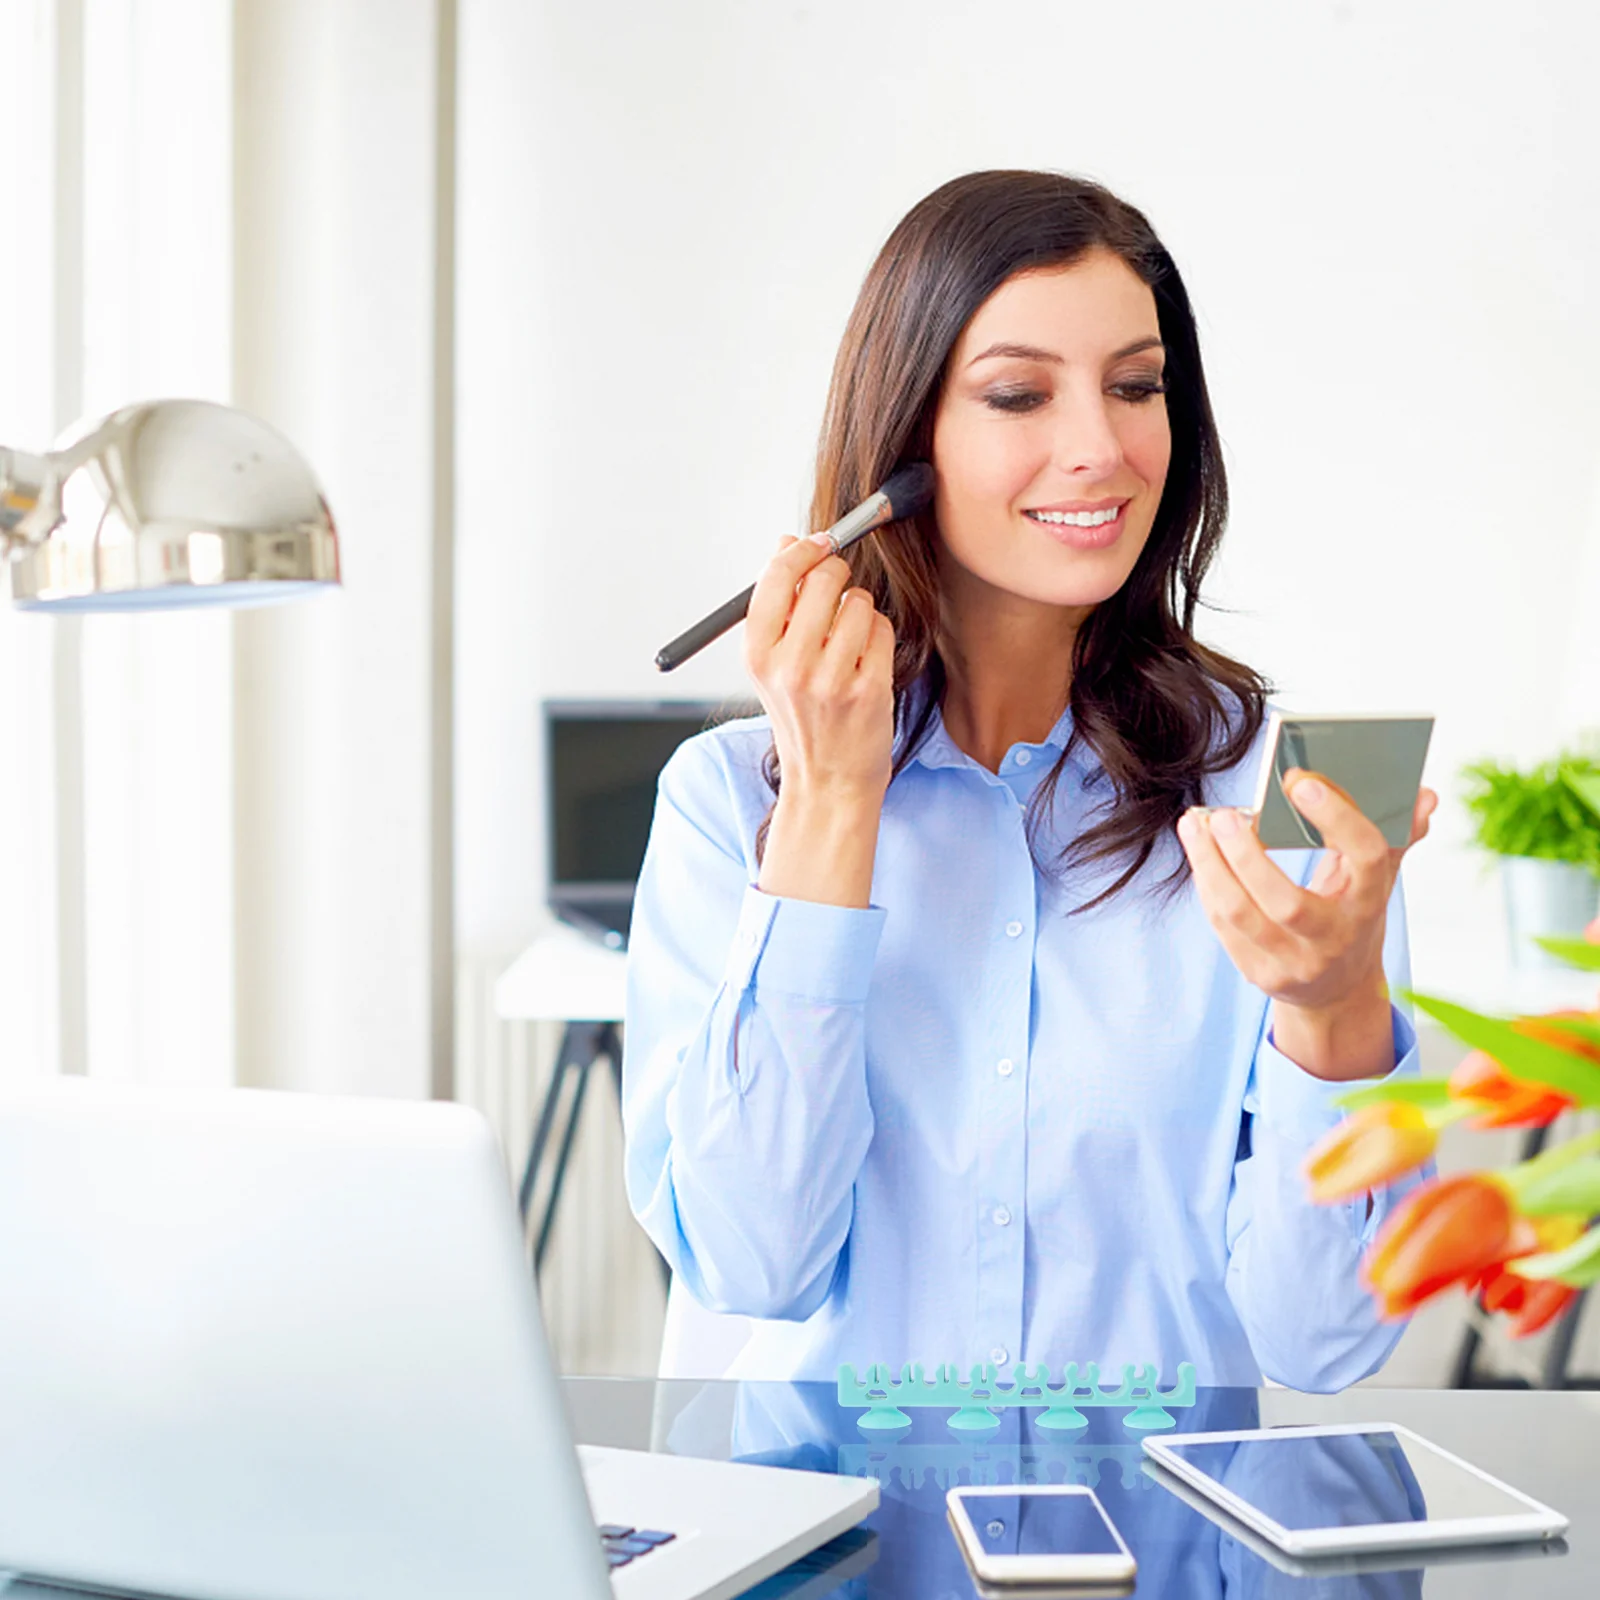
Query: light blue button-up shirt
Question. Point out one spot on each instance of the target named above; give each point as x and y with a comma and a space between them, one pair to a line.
963, 1125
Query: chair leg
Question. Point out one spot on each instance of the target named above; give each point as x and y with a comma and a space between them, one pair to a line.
1558, 1353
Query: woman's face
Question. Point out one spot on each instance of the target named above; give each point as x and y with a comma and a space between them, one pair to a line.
1051, 440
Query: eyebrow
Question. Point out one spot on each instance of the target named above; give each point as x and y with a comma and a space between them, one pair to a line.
1032, 352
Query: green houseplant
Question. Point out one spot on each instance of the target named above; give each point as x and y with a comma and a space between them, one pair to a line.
1542, 826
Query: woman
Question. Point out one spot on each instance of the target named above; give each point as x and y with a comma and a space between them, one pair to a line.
968, 1021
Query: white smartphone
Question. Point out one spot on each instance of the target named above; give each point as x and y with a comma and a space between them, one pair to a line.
1376, 760
1346, 1488
1038, 1534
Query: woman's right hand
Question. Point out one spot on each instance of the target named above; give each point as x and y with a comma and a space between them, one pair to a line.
822, 657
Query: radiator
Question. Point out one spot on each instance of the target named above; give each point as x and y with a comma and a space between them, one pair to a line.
601, 1287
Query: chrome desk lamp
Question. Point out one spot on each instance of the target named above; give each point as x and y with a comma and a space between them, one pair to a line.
164, 504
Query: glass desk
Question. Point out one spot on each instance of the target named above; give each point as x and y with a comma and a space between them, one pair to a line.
1545, 1443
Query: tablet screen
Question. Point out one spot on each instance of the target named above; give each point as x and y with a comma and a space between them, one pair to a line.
1348, 1480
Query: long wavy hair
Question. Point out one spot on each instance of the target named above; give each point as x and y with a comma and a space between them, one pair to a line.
1158, 710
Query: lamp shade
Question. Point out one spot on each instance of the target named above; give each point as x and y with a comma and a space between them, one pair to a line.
171, 503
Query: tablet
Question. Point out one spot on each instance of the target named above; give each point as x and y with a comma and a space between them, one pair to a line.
1349, 1487
1355, 1564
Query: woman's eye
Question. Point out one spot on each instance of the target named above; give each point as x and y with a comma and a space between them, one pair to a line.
1137, 390
1015, 399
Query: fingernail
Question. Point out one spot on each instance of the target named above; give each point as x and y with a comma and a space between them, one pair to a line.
1193, 820
1308, 792
1225, 823
822, 538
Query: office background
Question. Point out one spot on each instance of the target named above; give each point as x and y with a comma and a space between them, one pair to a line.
548, 292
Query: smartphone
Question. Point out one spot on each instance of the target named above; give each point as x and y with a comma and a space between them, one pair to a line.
1376, 760
1036, 1534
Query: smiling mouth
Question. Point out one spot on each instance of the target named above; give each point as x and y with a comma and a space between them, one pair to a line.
1077, 519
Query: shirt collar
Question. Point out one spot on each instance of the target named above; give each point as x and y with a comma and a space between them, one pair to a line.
937, 749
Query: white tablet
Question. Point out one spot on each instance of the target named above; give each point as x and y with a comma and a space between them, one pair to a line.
1341, 1488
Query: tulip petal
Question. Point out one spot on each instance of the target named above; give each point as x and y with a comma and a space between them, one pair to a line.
1442, 1233
1544, 1303
1368, 1149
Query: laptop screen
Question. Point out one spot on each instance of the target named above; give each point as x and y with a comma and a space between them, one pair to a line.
604, 758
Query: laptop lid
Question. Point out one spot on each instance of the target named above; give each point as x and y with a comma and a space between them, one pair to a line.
262, 1346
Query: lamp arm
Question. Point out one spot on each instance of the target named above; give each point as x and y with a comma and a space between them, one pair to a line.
29, 504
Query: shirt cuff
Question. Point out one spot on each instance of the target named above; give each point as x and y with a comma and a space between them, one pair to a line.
804, 948
1302, 1107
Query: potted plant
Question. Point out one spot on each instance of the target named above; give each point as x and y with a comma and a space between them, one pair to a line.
1548, 840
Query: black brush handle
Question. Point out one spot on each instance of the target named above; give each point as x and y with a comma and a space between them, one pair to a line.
905, 494
693, 640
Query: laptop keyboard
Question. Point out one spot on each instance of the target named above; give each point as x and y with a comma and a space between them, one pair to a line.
623, 1544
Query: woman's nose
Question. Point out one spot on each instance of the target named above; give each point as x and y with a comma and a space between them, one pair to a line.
1087, 445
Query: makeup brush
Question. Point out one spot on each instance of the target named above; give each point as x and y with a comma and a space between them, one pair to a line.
906, 493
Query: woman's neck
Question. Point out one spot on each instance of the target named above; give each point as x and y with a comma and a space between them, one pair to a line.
1008, 666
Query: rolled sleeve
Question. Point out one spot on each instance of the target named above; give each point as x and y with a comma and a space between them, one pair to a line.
804, 949
1302, 1108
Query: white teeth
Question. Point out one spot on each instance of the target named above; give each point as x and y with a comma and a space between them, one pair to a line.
1078, 519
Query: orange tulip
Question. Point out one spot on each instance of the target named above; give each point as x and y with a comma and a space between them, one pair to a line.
1371, 1146
1506, 1102
1446, 1232
1531, 1303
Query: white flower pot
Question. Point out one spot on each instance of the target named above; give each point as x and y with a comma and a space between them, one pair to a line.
1552, 898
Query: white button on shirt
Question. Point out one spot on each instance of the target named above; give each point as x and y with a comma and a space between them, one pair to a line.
1002, 1215
1024, 757
805, 1146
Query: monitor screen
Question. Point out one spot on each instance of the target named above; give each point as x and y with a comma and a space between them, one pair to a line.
604, 760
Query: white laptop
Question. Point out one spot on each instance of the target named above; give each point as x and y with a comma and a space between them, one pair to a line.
260, 1346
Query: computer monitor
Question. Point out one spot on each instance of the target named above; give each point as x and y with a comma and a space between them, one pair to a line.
602, 760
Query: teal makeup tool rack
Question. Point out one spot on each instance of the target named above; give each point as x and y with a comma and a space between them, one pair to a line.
977, 1399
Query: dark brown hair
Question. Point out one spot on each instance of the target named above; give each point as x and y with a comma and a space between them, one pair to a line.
1157, 709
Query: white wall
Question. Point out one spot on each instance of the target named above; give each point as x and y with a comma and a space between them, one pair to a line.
1386, 215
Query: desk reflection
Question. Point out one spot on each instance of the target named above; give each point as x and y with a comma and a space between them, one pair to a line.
1182, 1555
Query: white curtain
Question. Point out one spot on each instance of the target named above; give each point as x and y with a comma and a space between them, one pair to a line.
217, 834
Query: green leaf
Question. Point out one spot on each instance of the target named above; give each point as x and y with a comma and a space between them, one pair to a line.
1531, 1060
1408, 1091
1561, 1181
1575, 952
1569, 1190
1585, 785
1577, 1265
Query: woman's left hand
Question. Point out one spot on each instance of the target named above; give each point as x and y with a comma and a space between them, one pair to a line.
1317, 951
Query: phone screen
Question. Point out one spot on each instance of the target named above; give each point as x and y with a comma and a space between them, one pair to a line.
1040, 1524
